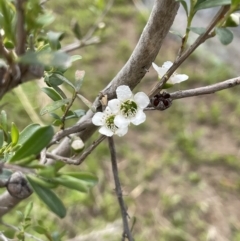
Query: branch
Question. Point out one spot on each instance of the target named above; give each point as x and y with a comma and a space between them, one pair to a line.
126, 230
210, 89
202, 38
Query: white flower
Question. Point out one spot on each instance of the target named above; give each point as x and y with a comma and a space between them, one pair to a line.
106, 120
174, 78
129, 107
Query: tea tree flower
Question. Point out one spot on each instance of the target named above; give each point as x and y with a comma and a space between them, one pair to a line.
174, 78
106, 120
129, 107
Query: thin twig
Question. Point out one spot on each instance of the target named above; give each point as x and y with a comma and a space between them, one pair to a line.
210, 89
81, 158
68, 131
89, 39
126, 230
201, 39
20, 28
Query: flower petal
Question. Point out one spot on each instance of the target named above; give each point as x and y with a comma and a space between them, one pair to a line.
167, 64
161, 71
122, 131
120, 121
139, 118
178, 78
105, 131
141, 99
114, 105
123, 92
98, 119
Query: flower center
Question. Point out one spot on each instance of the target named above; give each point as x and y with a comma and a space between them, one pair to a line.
128, 109
110, 123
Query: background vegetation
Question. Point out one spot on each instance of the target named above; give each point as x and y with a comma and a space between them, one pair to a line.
180, 175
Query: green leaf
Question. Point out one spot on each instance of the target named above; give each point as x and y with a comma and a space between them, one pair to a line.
61, 77
203, 4
198, 31
83, 176
49, 198
1, 138
40, 229
14, 134
79, 75
34, 144
43, 182
54, 80
174, 32
75, 58
72, 183
4, 121
225, 35
28, 209
76, 29
184, 4
27, 132
45, 19
79, 113
54, 39
54, 106
51, 93
85, 101
235, 3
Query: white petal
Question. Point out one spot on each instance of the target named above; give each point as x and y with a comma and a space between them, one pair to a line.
114, 105
141, 99
121, 121
139, 118
178, 78
123, 92
167, 64
122, 131
105, 131
108, 111
161, 71
98, 119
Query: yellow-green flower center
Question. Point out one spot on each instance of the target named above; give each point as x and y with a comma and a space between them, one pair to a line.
110, 123
128, 109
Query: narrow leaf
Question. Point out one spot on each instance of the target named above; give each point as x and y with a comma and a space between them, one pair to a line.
75, 58
49, 198
210, 4
54, 39
184, 4
61, 77
34, 144
79, 75
72, 183
28, 209
4, 121
51, 93
14, 134
54, 106
225, 35
1, 138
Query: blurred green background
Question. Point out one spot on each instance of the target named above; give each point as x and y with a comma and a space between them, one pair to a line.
179, 170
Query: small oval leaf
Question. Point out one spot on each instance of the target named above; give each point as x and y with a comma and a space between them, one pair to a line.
203, 4
27, 132
225, 35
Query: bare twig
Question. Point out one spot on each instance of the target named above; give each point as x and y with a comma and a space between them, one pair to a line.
202, 38
210, 89
81, 158
89, 39
20, 28
68, 131
126, 230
